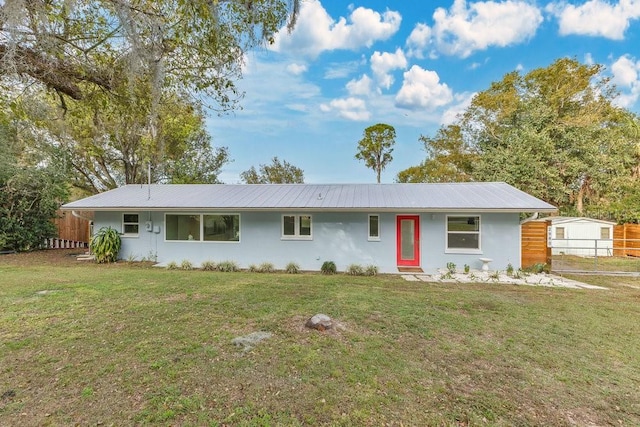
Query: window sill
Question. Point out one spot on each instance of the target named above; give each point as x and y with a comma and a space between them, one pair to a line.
373, 239
296, 238
464, 251
129, 236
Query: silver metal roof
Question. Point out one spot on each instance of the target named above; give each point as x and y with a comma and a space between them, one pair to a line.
468, 196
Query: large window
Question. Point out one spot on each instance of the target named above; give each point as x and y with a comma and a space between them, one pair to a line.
221, 228
202, 227
296, 227
463, 233
130, 224
374, 227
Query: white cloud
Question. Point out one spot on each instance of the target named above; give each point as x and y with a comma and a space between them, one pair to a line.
296, 69
348, 108
626, 73
596, 17
418, 41
422, 89
383, 63
464, 29
339, 70
316, 31
362, 86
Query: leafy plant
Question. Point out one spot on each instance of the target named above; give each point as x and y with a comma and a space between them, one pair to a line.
292, 268
328, 267
451, 267
228, 266
208, 266
355, 270
252, 268
266, 267
105, 245
172, 265
186, 265
509, 270
371, 270
466, 269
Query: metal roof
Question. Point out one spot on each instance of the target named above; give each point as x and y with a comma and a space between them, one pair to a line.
468, 196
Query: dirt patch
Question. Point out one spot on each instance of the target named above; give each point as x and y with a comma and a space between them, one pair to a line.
43, 257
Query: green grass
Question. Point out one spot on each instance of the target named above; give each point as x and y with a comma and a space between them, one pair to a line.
121, 345
602, 263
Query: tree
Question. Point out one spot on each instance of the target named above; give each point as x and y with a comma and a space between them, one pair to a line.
449, 159
29, 196
105, 140
376, 146
275, 173
554, 132
72, 46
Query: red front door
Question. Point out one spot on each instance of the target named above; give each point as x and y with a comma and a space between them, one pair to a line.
408, 240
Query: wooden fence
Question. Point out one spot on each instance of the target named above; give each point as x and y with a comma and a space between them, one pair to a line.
534, 248
73, 232
626, 240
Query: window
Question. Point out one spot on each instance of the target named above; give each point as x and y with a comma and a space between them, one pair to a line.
605, 233
182, 227
296, 227
130, 224
463, 233
559, 232
374, 227
221, 228
202, 227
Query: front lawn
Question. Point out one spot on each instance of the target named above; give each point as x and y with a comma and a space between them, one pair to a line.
123, 344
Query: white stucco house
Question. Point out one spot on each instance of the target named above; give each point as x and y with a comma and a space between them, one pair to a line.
392, 226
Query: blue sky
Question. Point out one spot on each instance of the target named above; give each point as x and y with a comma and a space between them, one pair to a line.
410, 64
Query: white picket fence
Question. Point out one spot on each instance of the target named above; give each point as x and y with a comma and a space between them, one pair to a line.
55, 243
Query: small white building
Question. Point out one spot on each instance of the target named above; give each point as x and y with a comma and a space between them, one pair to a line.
581, 236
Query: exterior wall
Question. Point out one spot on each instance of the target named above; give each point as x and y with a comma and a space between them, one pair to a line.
341, 237
581, 238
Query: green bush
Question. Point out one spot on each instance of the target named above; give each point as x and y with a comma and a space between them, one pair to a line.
266, 267
328, 267
228, 266
355, 270
186, 265
252, 268
208, 266
292, 268
172, 265
451, 267
105, 245
371, 270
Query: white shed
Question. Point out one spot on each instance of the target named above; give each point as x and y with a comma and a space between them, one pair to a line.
581, 236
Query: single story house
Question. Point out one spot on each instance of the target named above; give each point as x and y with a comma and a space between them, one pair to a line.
580, 236
396, 227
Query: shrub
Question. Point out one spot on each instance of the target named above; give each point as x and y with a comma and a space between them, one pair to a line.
252, 268
292, 268
266, 267
509, 269
172, 265
328, 267
186, 265
451, 267
355, 270
466, 269
228, 266
538, 268
105, 245
371, 270
208, 266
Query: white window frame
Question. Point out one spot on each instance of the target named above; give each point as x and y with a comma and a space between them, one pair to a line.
557, 234
369, 236
449, 250
202, 215
296, 232
124, 234
608, 229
